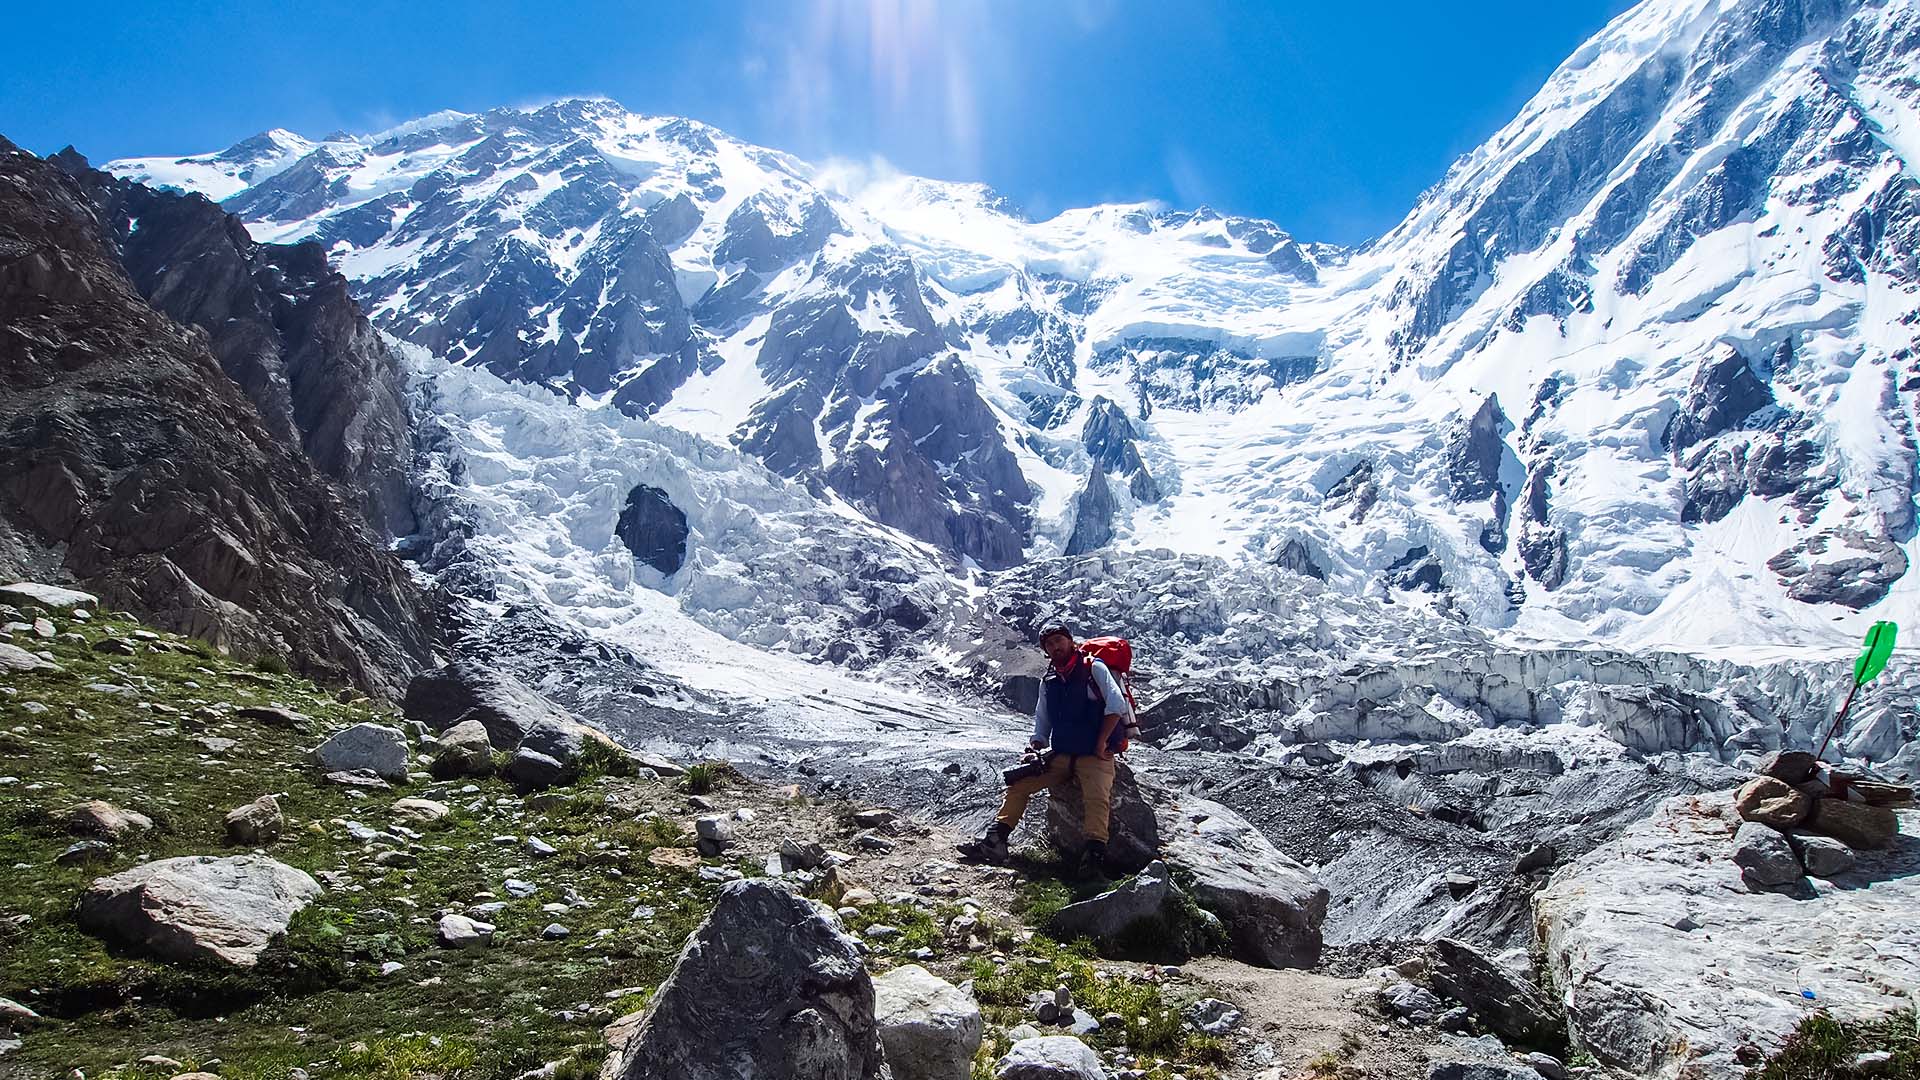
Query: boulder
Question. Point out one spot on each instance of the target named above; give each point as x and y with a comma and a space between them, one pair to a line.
1050, 1057
52, 597
467, 690
561, 740
532, 771
96, 817
1411, 1001
15, 658
1772, 802
258, 822
464, 750
1271, 906
1823, 856
420, 811
1669, 967
84, 852
930, 1028
198, 907
1480, 1070
461, 932
371, 747
768, 986
1764, 856
1145, 918
1858, 825
1789, 766
1133, 838
1514, 1010
275, 716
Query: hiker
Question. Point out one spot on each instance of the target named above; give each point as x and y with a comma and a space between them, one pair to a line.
1078, 726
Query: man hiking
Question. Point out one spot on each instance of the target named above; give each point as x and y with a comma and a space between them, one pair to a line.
1083, 714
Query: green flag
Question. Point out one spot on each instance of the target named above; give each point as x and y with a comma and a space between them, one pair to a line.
1874, 653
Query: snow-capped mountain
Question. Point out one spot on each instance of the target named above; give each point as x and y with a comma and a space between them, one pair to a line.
1640, 369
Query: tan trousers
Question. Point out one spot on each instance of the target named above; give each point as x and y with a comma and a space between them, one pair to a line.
1096, 791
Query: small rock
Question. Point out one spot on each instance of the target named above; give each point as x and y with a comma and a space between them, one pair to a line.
1790, 766
392, 967
1213, 1016
274, 716
1459, 884
1546, 1065
464, 750
15, 658
44, 629
1415, 1003
1824, 856
422, 811
1479, 1070
554, 932
460, 932
357, 778
1538, 857
930, 1028
519, 889
534, 771
540, 849
14, 1015
97, 817
258, 822
84, 852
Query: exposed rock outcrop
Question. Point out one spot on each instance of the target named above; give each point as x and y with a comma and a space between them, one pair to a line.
138, 467
198, 907
653, 529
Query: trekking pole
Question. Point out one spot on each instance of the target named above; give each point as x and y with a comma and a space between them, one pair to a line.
1872, 661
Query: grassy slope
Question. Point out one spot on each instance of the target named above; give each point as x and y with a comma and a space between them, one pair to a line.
317, 1002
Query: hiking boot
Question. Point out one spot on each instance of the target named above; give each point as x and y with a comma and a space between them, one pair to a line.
1093, 860
989, 847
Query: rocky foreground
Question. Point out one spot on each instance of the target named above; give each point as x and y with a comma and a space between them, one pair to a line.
220, 869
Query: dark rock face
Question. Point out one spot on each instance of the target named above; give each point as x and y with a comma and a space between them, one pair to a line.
653, 529
1185, 373
1111, 440
1724, 393
283, 327
1513, 1009
1295, 556
1093, 511
1840, 566
1418, 570
1543, 546
140, 468
751, 238
469, 690
1475, 453
769, 986
1357, 489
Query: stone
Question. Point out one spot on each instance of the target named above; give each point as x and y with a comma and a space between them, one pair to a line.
420, 811
198, 907
1764, 856
1516, 1011
930, 1028
463, 750
1546, 1065
1659, 952
1271, 906
375, 748
113, 646
461, 932
673, 858
53, 597
554, 932
468, 690
1413, 1002
769, 985
533, 771
653, 529
714, 829
258, 822
1857, 825
15, 658
1790, 766
1772, 802
1213, 1016
560, 739
360, 778
1133, 829
1479, 1070
1538, 857
97, 817
1144, 918
1823, 856
275, 716
1050, 1057
15, 1016
83, 852
44, 629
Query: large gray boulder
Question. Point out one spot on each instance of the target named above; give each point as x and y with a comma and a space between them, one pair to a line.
198, 907
1514, 1010
467, 690
1134, 832
1271, 906
929, 1027
769, 986
375, 748
1050, 1057
1146, 918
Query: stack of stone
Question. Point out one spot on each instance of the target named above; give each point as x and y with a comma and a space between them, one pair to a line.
1801, 817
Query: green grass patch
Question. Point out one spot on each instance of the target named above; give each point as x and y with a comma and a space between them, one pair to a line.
1823, 1047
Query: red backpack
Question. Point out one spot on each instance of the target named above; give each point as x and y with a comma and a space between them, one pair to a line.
1117, 654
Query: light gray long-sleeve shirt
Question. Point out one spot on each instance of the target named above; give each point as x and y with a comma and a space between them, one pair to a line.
1110, 693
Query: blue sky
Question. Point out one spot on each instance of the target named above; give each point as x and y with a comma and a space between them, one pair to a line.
1328, 118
